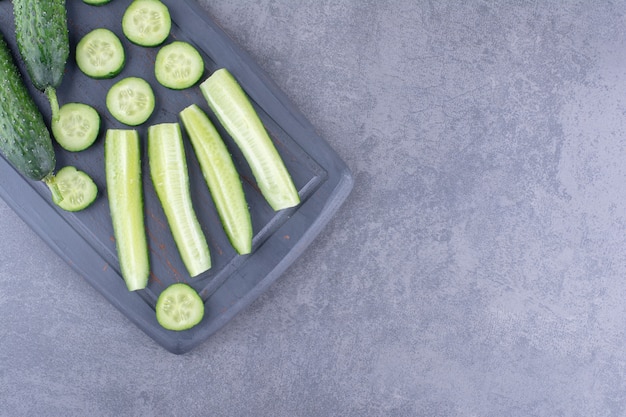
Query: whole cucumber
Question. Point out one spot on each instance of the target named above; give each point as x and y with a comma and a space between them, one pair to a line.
42, 39
24, 137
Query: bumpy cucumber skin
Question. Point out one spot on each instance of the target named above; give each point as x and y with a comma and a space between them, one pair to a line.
24, 137
234, 110
42, 39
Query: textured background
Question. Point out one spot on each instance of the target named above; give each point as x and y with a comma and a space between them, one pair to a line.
477, 268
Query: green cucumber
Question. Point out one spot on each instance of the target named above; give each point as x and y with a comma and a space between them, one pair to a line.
235, 112
100, 54
122, 160
76, 127
168, 170
178, 65
43, 41
24, 137
131, 101
179, 307
221, 177
146, 22
77, 189
96, 2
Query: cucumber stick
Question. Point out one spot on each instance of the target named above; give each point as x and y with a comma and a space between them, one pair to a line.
168, 170
43, 42
24, 138
235, 112
122, 156
221, 177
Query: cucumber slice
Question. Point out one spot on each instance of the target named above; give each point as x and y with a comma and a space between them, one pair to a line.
178, 65
179, 307
146, 22
76, 127
77, 190
131, 101
100, 54
234, 110
221, 177
168, 169
96, 2
122, 161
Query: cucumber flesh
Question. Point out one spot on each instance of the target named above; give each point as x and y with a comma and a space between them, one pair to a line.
179, 307
76, 126
131, 101
146, 22
100, 54
221, 177
77, 189
168, 169
235, 112
122, 155
178, 65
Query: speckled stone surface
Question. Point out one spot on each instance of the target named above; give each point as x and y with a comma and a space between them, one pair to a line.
478, 268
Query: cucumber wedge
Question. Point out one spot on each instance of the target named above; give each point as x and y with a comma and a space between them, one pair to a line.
168, 169
122, 159
235, 112
221, 177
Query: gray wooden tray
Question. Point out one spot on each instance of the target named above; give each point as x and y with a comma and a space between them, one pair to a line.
85, 239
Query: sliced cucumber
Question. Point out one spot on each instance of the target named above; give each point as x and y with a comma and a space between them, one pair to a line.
221, 177
178, 65
168, 169
234, 110
131, 101
179, 307
146, 22
122, 160
96, 2
76, 188
76, 127
100, 54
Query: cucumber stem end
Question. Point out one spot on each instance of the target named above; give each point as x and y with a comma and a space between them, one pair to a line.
51, 93
50, 181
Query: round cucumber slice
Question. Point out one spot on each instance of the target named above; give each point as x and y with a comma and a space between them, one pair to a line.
96, 2
76, 127
178, 65
146, 22
76, 189
131, 101
100, 54
179, 307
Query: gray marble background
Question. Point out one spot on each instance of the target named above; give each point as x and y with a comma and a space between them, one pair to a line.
477, 269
